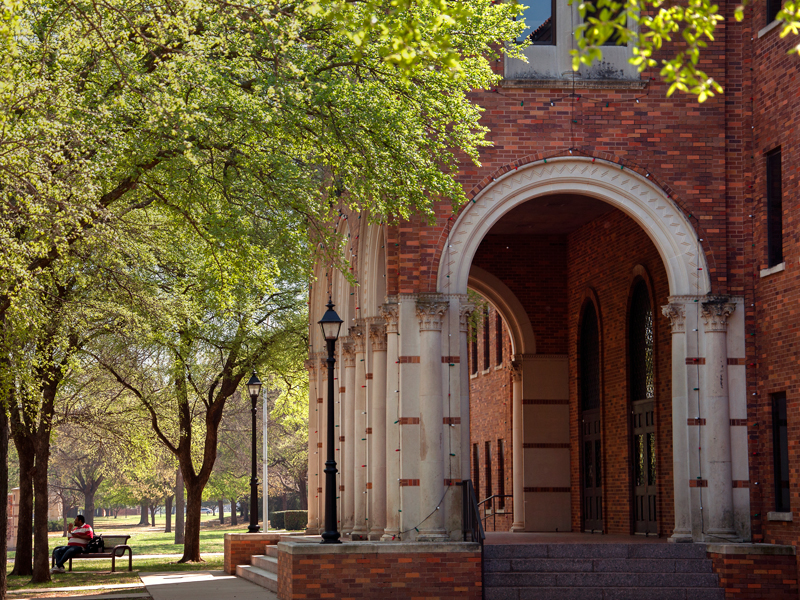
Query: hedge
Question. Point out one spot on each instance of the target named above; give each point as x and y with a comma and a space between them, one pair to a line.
291, 520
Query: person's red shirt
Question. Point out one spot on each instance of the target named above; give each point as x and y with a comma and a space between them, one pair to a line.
80, 536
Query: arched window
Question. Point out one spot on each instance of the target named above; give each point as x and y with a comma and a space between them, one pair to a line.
590, 360
640, 343
486, 340
498, 337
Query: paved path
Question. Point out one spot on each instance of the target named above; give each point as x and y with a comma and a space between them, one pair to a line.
202, 585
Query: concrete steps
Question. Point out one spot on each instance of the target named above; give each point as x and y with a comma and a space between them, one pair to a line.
599, 572
263, 570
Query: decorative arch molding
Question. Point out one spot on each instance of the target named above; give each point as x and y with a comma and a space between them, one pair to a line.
498, 293
372, 279
636, 196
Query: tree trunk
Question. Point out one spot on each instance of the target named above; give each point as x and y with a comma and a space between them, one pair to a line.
88, 510
180, 506
64, 510
3, 497
168, 510
221, 507
143, 513
153, 508
303, 494
23, 559
246, 509
233, 513
41, 551
191, 545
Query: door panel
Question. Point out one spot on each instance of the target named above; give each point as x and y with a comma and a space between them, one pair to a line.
592, 465
644, 469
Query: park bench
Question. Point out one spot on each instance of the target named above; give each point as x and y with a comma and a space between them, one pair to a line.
114, 546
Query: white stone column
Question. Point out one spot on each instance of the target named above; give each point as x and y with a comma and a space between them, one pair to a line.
429, 313
360, 529
392, 430
320, 429
463, 374
676, 313
347, 495
377, 431
517, 451
313, 481
716, 438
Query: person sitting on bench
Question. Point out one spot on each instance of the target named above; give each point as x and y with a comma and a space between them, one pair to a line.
79, 534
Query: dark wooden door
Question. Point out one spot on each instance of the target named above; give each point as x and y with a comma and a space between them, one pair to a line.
592, 471
644, 469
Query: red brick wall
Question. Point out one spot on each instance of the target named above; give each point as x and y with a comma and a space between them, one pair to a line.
239, 548
373, 575
602, 256
746, 576
490, 420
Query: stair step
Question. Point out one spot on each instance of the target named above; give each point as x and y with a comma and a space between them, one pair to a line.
597, 565
271, 550
601, 580
609, 593
258, 576
667, 551
267, 563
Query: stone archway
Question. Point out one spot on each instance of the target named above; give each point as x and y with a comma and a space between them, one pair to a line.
689, 284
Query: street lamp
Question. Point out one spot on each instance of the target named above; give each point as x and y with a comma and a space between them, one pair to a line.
254, 389
330, 324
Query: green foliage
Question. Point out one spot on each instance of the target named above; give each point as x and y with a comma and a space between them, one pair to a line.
291, 520
276, 520
691, 24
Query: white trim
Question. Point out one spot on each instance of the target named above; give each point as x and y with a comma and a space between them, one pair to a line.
638, 197
765, 30
776, 269
779, 516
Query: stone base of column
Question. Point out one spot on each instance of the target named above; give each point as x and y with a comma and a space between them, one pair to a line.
390, 536
433, 536
721, 536
313, 531
517, 527
681, 537
375, 535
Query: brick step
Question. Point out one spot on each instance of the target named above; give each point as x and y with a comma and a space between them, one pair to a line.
271, 550
611, 593
267, 563
258, 576
601, 580
597, 565
667, 551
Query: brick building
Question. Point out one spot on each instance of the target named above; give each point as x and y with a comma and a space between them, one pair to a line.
637, 369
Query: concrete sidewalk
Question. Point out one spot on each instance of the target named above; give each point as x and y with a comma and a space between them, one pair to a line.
202, 585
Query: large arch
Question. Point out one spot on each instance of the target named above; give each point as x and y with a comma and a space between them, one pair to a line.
636, 196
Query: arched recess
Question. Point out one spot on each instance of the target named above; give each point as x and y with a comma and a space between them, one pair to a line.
647, 204
498, 293
372, 279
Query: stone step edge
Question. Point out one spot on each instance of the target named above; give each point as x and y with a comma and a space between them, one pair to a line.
258, 576
272, 562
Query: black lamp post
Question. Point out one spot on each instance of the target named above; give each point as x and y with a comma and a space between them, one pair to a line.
254, 389
330, 324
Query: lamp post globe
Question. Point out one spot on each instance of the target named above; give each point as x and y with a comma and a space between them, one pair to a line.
254, 389
331, 324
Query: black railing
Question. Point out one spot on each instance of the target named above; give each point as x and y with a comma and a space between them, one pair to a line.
486, 515
472, 520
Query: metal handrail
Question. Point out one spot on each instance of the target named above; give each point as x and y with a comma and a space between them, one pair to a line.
472, 521
494, 512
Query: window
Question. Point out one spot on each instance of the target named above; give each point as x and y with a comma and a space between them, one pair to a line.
774, 209
473, 347
595, 11
487, 457
773, 8
590, 360
498, 339
501, 473
780, 451
476, 469
486, 338
640, 344
539, 27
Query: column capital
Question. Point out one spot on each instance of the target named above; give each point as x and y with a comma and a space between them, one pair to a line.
715, 314
309, 364
377, 335
348, 352
430, 312
389, 312
516, 370
676, 313
464, 311
357, 335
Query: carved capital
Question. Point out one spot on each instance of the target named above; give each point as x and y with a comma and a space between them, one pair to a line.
377, 335
348, 351
357, 335
430, 313
516, 370
309, 364
390, 312
715, 315
676, 313
464, 311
